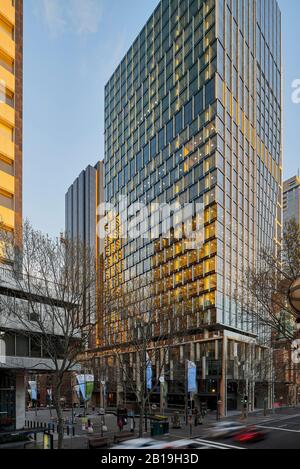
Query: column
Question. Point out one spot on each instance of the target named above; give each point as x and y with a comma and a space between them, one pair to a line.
223, 383
20, 401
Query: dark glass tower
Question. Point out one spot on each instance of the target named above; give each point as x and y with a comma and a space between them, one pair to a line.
193, 115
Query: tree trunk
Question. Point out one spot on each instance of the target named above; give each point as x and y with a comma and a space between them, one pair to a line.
60, 417
142, 414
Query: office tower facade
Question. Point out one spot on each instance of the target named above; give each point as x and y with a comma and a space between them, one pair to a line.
193, 115
82, 200
11, 97
81, 221
291, 199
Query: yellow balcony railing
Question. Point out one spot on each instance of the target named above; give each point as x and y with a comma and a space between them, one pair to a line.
7, 11
7, 114
7, 78
7, 217
7, 183
7, 45
7, 148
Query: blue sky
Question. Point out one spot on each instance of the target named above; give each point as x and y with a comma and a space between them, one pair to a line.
71, 48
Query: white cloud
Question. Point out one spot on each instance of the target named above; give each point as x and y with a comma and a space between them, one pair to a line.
75, 16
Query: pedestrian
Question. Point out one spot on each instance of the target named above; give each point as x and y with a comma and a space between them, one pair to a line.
196, 413
120, 423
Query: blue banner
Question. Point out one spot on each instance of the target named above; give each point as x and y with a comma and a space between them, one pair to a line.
148, 373
33, 390
81, 383
192, 377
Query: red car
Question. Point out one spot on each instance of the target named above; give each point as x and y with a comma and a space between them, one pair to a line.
250, 435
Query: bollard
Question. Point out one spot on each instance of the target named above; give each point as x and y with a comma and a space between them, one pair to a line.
73, 430
68, 430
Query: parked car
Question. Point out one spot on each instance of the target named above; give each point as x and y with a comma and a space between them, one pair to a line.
250, 435
225, 429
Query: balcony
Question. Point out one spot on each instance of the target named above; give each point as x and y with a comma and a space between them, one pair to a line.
8, 78
7, 183
7, 11
7, 217
7, 148
7, 45
7, 114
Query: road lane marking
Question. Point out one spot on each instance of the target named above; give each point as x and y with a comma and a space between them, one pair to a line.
280, 419
278, 429
215, 444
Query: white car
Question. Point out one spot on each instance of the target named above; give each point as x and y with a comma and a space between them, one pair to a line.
225, 429
149, 443
141, 443
186, 444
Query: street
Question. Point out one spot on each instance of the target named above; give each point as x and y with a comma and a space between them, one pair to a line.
283, 433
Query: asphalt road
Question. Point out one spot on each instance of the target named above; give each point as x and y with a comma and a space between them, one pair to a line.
282, 433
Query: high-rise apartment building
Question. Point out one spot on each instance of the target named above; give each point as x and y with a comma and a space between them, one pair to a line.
11, 97
193, 115
291, 199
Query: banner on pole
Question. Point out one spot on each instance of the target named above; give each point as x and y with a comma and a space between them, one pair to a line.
148, 372
192, 377
33, 390
85, 386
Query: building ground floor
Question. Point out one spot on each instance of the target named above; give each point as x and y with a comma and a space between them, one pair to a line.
233, 372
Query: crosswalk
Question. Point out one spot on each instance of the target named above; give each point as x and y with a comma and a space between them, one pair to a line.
217, 445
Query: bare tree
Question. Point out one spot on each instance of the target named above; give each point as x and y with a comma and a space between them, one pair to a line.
263, 298
52, 280
140, 359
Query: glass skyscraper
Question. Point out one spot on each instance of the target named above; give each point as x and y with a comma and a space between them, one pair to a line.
82, 200
193, 115
291, 199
